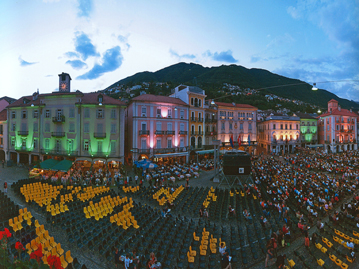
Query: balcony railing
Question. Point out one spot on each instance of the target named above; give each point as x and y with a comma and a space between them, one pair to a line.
23, 133
23, 149
170, 132
200, 120
58, 134
193, 119
60, 152
164, 150
200, 133
99, 135
159, 132
144, 132
144, 151
182, 132
58, 119
209, 133
100, 154
211, 120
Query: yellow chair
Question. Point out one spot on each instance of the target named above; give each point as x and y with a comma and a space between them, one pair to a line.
192, 252
69, 259
52, 243
329, 244
318, 245
344, 266
64, 264
190, 258
291, 263
59, 250
332, 257
28, 248
213, 240
323, 249
196, 238
320, 262
203, 250
349, 259
338, 262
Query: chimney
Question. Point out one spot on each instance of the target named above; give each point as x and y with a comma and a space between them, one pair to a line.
339, 108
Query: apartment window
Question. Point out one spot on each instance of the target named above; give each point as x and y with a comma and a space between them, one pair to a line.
99, 146
281, 126
192, 101
113, 128
327, 127
87, 112
143, 144
13, 114
182, 127
36, 114
241, 126
47, 113
86, 127
72, 127
199, 116
1, 129
47, 127
249, 126
113, 113
158, 143
158, 112
230, 126
72, 113
222, 113
143, 111
296, 126
100, 98
13, 127
158, 126
192, 115
328, 139
24, 114
230, 114
169, 143
1, 141
290, 126
286, 126
13, 141
113, 146
47, 143
222, 126
182, 114
337, 127
169, 113
181, 142
327, 121
273, 126
35, 143
36, 127
169, 126
86, 145
99, 113
144, 127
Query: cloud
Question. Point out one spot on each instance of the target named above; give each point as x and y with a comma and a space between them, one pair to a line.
84, 46
111, 60
71, 54
85, 8
223, 56
47, 76
76, 64
123, 39
25, 63
183, 56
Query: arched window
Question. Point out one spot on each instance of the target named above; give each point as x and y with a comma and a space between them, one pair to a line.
200, 103
192, 101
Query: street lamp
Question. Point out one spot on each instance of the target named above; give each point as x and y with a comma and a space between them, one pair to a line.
314, 88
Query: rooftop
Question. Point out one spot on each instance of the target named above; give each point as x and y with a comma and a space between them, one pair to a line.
158, 99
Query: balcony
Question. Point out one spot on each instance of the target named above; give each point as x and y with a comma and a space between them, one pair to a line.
58, 119
164, 150
59, 152
183, 132
23, 133
193, 133
23, 149
208, 133
159, 132
170, 132
99, 154
144, 151
144, 132
199, 133
200, 120
99, 135
58, 134
193, 119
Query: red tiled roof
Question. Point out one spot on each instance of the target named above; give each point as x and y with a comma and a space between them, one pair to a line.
92, 98
159, 99
236, 105
341, 112
333, 100
20, 102
3, 115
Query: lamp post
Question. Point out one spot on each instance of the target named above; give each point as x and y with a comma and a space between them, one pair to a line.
216, 144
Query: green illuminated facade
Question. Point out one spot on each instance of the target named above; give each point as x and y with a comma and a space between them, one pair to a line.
72, 125
308, 129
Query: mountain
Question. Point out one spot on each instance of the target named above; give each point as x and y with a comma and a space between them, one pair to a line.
212, 79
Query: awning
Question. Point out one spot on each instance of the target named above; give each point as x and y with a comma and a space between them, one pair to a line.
178, 154
63, 166
208, 151
48, 164
84, 159
315, 146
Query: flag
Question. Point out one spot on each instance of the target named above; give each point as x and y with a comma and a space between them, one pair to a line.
231, 141
249, 140
239, 141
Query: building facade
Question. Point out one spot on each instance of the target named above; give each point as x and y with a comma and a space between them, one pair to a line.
279, 134
65, 124
237, 120
3, 135
211, 119
338, 128
194, 97
308, 129
157, 127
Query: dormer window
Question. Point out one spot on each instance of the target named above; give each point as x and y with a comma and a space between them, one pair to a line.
100, 98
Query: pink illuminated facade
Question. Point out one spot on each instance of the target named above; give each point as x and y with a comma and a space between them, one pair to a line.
337, 128
157, 127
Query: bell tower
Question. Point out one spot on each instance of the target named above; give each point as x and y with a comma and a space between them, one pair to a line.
64, 82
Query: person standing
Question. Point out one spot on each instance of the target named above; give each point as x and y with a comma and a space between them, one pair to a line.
3, 163
5, 187
269, 255
280, 261
136, 178
117, 258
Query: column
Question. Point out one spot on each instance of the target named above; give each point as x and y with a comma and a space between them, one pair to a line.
17, 157
30, 158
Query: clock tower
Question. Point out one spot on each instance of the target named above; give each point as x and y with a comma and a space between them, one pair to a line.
64, 82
